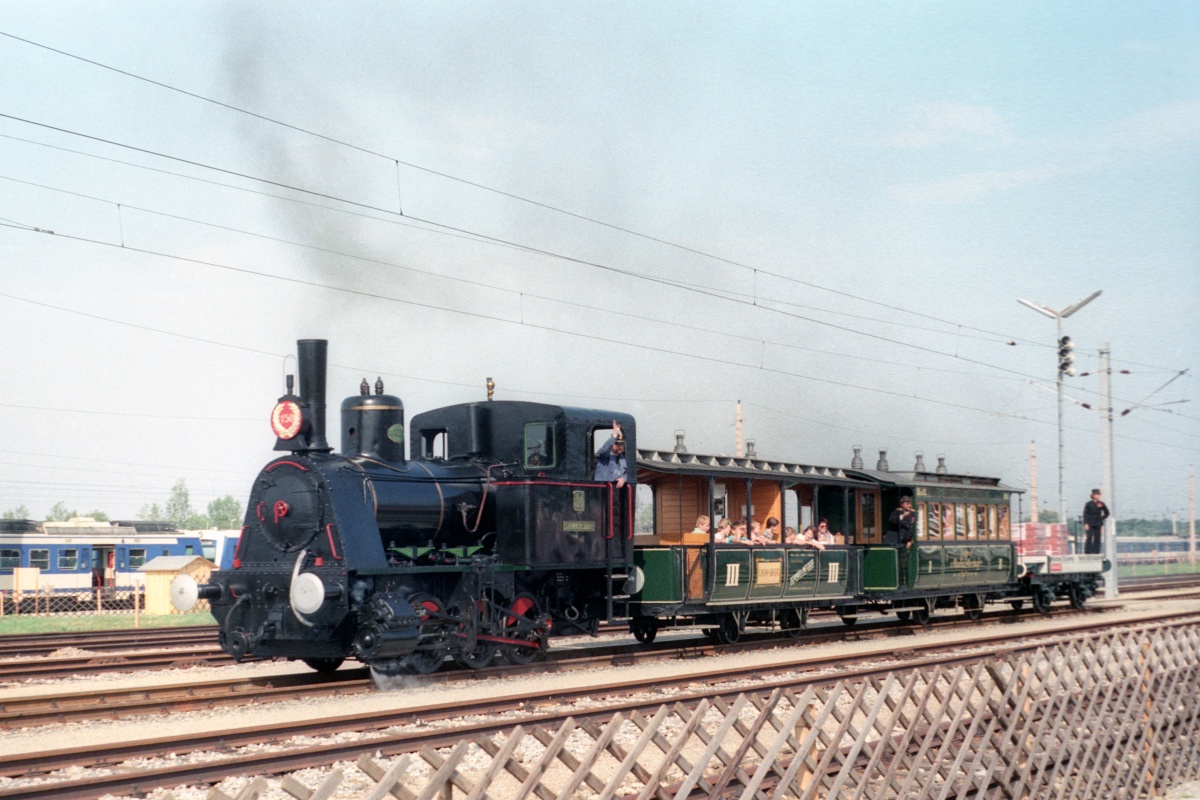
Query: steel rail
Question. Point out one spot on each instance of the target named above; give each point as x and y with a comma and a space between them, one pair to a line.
983, 647
60, 708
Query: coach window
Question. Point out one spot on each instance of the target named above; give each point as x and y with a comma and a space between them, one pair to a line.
921, 520
866, 502
1002, 529
10, 559
68, 560
137, 557
970, 529
934, 524
993, 531
39, 559
960, 521
539, 445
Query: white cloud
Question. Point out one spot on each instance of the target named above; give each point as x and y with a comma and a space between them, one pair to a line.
971, 187
1154, 128
947, 123
1149, 130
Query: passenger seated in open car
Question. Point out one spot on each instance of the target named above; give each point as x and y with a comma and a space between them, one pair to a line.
724, 532
699, 534
809, 539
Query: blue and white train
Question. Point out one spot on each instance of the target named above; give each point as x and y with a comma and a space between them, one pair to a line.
83, 554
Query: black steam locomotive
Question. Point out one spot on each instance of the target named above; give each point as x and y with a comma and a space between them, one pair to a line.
487, 537
491, 535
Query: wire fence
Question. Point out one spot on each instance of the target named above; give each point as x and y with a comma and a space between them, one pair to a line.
50, 603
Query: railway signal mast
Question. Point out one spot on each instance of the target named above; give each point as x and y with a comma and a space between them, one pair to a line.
1066, 361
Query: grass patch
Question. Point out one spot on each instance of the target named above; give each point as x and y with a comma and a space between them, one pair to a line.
1147, 570
26, 624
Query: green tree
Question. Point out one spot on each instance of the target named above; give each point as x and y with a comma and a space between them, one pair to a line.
179, 505
150, 512
196, 522
20, 512
225, 513
98, 515
59, 513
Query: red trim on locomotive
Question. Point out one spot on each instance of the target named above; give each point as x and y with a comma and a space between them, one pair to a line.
300, 467
332, 546
237, 549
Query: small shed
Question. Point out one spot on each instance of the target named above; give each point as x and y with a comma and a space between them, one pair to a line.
162, 570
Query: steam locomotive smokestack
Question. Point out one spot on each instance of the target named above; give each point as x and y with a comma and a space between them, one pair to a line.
311, 355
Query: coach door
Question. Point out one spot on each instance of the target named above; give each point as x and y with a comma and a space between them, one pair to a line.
868, 517
104, 567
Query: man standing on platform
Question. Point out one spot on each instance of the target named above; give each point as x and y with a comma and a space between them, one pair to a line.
901, 525
1094, 514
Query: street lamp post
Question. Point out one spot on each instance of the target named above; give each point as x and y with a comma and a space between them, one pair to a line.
1063, 346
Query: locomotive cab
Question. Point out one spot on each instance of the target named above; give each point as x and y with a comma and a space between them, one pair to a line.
551, 516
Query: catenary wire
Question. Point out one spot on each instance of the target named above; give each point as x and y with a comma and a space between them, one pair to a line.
605, 339
495, 287
484, 187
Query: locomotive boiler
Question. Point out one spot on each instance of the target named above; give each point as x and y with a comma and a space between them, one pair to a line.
483, 538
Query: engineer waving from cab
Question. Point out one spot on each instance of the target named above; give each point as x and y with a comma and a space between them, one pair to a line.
610, 458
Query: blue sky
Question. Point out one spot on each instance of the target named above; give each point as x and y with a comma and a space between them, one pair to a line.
938, 158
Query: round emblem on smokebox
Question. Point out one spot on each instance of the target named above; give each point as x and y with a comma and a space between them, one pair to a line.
286, 419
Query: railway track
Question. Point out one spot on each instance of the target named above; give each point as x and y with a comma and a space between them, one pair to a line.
198, 649
196, 645
42, 644
123, 703
524, 708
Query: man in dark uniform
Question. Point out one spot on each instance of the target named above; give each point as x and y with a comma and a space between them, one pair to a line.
610, 458
611, 468
901, 525
1094, 514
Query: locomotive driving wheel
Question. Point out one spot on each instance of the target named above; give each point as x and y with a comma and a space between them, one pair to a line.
325, 666
476, 653
525, 621
431, 651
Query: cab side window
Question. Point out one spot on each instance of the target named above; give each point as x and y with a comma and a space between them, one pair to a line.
433, 444
540, 452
